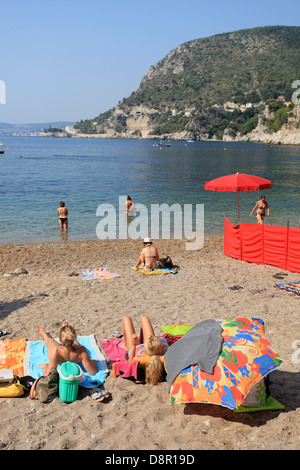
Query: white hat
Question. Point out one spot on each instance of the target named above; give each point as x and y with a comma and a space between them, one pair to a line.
147, 240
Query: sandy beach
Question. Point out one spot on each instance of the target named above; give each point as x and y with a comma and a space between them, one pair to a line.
139, 416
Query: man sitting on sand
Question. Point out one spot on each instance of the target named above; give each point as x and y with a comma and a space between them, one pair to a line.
68, 350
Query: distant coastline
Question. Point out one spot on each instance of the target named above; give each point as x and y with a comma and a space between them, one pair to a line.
30, 129
283, 137
286, 136
289, 134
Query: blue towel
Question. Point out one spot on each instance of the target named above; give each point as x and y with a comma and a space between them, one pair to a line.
36, 354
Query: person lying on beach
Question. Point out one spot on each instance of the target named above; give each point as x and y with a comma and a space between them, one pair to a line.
147, 344
62, 214
149, 258
68, 350
129, 205
261, 207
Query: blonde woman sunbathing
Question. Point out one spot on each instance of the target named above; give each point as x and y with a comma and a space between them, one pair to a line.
146, 345
68, 350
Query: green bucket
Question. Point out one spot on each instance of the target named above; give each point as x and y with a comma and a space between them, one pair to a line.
69, 377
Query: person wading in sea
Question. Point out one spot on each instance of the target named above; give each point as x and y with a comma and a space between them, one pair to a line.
62, 214
261, 207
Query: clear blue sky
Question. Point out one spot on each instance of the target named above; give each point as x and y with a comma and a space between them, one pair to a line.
71, 60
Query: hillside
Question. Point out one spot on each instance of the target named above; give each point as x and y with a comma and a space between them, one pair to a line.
221, 87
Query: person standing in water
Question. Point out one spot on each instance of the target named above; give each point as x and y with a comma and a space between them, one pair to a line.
261, 207
129, 205
63, 216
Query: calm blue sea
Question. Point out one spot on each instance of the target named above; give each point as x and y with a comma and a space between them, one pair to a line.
86, 173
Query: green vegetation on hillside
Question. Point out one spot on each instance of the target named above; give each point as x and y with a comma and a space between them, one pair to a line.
281, 114
256, 65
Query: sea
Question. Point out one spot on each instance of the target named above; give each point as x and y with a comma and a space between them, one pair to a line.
94, 175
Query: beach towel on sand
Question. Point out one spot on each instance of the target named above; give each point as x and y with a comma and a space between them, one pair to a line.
36, 354
97, 273
177, 329
156, 271
290, 287
116, 355
12, 353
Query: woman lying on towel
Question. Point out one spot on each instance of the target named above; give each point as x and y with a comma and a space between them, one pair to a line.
146, 345
149, 258
68, 350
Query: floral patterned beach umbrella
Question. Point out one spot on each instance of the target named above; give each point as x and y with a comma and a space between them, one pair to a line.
246, 357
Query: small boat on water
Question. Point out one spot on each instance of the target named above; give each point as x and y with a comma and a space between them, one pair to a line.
163, 144
1, 145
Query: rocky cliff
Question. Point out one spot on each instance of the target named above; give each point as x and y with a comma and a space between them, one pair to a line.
289, 134
138, 125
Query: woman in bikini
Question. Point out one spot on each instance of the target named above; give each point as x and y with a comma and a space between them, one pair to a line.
261, 207
68, 350
149, 256
147, 344
62, 214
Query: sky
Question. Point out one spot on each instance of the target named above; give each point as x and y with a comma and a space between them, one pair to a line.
68, 60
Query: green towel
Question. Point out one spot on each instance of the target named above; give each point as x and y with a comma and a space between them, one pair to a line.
176, 329
270, 404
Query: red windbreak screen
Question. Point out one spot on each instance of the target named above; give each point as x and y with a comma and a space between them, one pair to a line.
263, 244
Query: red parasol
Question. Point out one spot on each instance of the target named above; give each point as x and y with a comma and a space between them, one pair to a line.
238, 182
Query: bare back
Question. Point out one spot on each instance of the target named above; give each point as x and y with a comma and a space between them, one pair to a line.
64, 354
62, 212
60, 354
129, 205
150, 254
